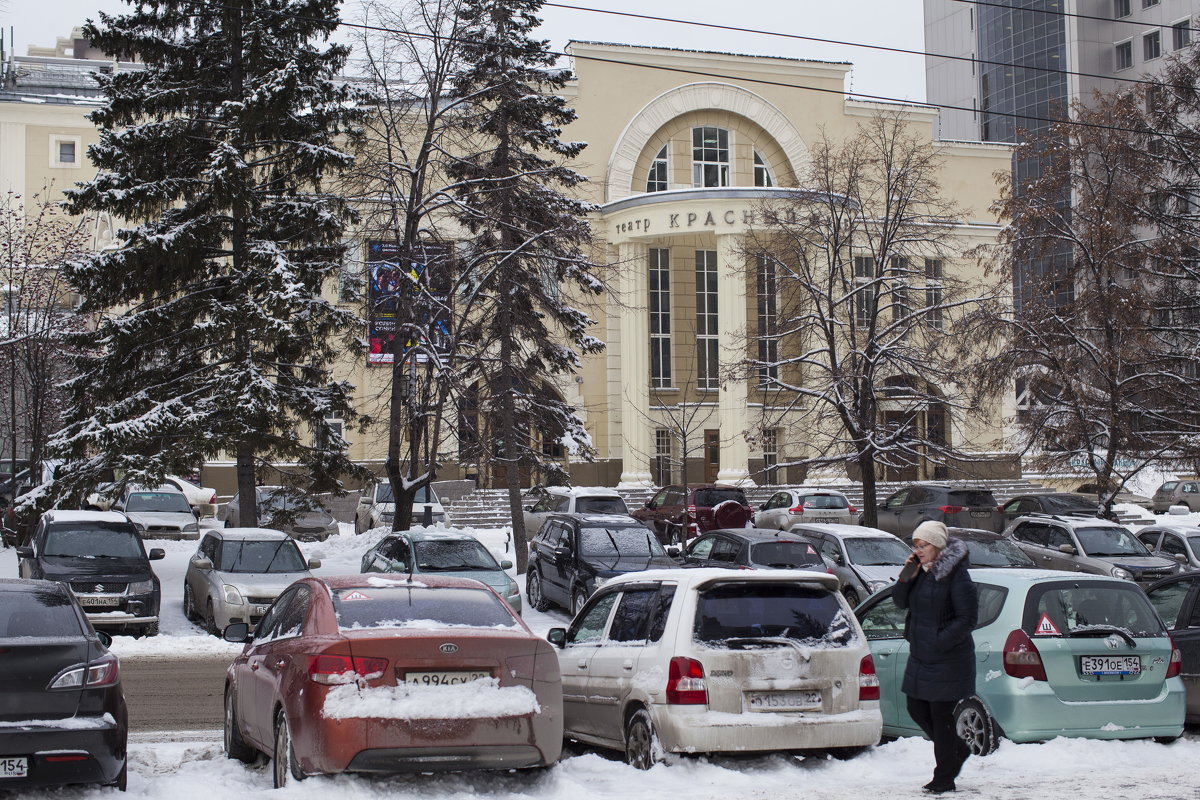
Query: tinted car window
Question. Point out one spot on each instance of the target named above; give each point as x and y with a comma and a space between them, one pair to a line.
157, 501
619, 541
701, 547
383, 494
710, 497
96, 539
658, 618
1079, 607
724, 550
419, 607
966, 497
784, 554
600, 505
632, 615
877, 552
743, 614
261, 556
1173, 546
1065, 505
1168, 599
991, 603
291, 618
38, 611
590, 626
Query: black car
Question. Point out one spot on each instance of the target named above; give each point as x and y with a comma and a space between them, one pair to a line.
960, 506
751, 548
986, 549
101, 558
1071, 504
1177, 601
574, 553
62, 711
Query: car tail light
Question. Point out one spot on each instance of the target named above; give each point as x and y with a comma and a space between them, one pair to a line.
330, 668
691, 510
1176, 665
796, 509
685, 683
213, 500
868, 681
104, 671
66, 757
950, 509
1021, 657
853, 510
999, 509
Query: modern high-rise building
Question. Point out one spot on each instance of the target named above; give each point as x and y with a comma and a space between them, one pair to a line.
1006, 65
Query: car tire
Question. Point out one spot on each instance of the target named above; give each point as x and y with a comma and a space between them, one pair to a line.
1166, 739
976, 727
285, 768
210, 619
642, 750
533, 592
189, 604
150, 630
235, 746
851, 597
847, 753
578, 601
358, 528
227, 525
674, 533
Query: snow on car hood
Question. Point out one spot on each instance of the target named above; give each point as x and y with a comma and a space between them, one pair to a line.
173, 518
880, 573
481, 699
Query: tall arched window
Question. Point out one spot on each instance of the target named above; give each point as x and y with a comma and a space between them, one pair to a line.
710, 156
656, 181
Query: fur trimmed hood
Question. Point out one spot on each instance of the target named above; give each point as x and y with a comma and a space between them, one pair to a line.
954, 553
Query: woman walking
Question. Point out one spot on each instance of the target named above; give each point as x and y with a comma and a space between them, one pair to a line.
937, 590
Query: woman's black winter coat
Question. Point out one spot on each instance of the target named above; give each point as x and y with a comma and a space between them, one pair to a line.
942, 611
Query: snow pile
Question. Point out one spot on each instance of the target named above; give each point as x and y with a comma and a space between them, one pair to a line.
68, 724
479, 699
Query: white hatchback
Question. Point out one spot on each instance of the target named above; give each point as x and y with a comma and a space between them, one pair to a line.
789, 507
714, 661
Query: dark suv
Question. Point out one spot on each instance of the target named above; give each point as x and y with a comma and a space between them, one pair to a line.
682, 512
101, 558
957, 506
573, 554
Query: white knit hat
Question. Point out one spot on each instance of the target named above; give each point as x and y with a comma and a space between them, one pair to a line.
933, 532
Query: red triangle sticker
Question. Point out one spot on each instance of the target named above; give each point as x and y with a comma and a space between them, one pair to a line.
357, 595
1046, 628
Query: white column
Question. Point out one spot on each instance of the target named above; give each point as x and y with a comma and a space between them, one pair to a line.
634, 356
732, 413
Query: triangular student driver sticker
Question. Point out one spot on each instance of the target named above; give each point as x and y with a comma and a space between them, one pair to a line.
1046, 628
356, 595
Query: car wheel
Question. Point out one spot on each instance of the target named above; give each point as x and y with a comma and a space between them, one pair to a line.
846, 753
578, 601
150, 630
235, 745
1166, 739
210, 619
851, 596
358, 528
642, 750
284, 767
674, 533
227, 525
533, 590
975, 726
189, 604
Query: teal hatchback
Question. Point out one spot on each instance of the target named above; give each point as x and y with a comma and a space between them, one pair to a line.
1057, 654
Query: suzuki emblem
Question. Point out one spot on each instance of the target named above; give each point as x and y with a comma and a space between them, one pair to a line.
448, 648
99, 587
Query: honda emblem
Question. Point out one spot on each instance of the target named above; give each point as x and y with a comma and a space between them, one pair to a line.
449, 648
1113, 642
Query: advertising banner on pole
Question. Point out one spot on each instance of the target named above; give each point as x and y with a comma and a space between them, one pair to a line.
409, 289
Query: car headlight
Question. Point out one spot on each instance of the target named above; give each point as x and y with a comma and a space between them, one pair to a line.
875, 586
1124, 574
141, 587
232, 596
512, 591
191, 527
387, 516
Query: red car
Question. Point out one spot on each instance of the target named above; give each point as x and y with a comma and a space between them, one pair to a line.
680, 513
383, 674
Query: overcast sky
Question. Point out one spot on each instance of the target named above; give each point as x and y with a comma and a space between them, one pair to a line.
890, 23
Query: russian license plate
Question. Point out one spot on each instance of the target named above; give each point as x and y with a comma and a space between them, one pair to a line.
783, 701
445, 678
13, 767
1110, 665
93, 602
980, 514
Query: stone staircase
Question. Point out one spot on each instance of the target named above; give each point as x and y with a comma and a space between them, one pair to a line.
488, 508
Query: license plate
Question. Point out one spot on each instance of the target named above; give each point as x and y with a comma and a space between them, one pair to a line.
92, 602
783, 701
1110, 665
445, 678
11, 767
980, 514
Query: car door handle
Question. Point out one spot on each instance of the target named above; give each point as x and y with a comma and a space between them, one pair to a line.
582, 663
254, 666
280, 663
628, 665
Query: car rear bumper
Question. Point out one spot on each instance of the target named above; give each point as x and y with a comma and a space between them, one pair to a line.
682, 729
62, 752
1035, 713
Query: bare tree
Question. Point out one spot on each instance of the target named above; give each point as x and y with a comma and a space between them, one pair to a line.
858, 360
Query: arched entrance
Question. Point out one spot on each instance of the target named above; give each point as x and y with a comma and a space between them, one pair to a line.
917, 412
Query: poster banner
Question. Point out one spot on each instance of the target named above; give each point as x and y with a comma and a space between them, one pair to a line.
417, 281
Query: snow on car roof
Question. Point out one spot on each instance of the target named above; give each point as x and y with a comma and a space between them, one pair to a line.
68, 515
240, 534
583, 491
846, 531
692, 577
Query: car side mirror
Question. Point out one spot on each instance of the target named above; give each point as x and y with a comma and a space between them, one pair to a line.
203, 563
1181, 558
562, 551
506, 564
557, 637
237, 632
157, 554
24, 552
1069, 549
527, 508
314, 563
674, 551
105, 638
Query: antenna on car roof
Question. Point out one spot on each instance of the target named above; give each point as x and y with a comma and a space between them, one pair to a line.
412, 560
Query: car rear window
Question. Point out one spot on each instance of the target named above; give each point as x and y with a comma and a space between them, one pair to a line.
784, 554
600, 505
38, 611
384, 606
711, 497
757, 613
972, 497
824, 501
1089, 608
1069, 504
877, 552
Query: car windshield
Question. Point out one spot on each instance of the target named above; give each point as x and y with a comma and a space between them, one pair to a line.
784, 555
1110, 541
600, 505
878, 552
975, 497
419, 606
708, 498
1083, 608
761, 614
453, 554
261, 556
634, 541
93, 540
383, 494
824, 501
280, 501
996, 553
38, 611
170, 502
